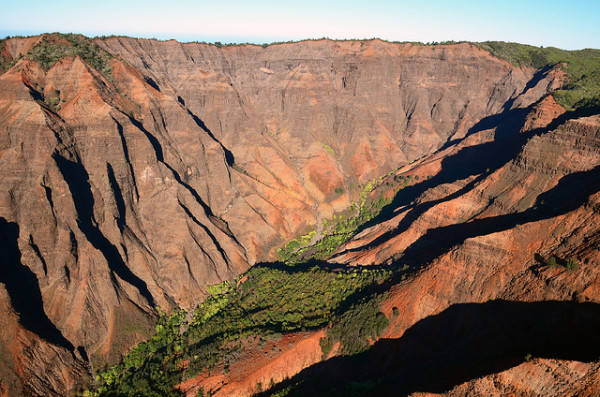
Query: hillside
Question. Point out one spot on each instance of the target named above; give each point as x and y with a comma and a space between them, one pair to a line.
302, 213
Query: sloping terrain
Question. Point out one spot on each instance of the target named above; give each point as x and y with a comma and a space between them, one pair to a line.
138, 175
501, 279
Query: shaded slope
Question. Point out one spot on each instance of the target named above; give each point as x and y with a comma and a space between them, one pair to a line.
78, 181
463, 342
571, 192
481, 161
23, 288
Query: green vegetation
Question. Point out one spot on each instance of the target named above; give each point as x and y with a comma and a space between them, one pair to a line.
328, 148
355, 327
582, 90
554, 261
341, 230
342, 227
148, 368
53, 100
6, 62
571, 264
273, 299
54, 47
289, 250
219, 289
338, 230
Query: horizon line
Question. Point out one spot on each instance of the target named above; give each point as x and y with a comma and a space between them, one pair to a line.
225, 43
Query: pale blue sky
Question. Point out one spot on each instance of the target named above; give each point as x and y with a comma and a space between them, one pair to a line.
566, 24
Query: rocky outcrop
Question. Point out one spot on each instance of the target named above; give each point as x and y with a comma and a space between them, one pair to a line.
188, 163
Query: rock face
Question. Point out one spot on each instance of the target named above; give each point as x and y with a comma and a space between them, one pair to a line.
308, 122
189, 163
485, 314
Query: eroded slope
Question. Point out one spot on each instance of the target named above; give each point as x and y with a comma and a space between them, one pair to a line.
135, 173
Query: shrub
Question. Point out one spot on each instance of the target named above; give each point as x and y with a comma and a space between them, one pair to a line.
54, 47
328, 148
355, 327
52, 102
340, 228
571, 264
552, 261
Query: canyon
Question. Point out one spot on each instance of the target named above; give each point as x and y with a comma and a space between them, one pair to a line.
138, 174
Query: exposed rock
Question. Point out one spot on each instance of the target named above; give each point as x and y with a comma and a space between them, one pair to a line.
487, 243
190, 163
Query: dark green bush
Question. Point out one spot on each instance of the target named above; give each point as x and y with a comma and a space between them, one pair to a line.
274, 299
54, 47
355, 327
6, 62
571, 264
552, 261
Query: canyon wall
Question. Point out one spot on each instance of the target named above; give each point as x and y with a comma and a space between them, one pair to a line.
188, 163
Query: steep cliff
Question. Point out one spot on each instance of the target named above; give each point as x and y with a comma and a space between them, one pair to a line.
135, 173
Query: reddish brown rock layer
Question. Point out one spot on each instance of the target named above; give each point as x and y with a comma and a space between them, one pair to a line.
489, 243
259, 368
190, 163
496, 235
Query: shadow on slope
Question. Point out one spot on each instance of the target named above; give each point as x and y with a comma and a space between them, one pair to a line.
478, 161
464, 342
507, 113
77, 179
23, 288
571, 192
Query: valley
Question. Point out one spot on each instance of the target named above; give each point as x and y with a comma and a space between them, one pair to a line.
309, 218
